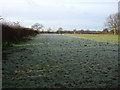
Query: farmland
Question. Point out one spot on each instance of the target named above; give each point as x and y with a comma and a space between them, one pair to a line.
60, 61
99, 37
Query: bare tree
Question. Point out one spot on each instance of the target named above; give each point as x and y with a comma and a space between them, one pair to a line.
1, 18
9, 23
105, 31
16, 24
74, 31
49, 29
113, 22
42, 30
60, 30
37, 26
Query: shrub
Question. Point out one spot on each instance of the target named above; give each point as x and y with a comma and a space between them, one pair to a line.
12, 34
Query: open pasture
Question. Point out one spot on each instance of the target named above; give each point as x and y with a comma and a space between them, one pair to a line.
99, 37
59, 61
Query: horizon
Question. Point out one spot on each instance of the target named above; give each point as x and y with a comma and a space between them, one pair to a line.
72, 14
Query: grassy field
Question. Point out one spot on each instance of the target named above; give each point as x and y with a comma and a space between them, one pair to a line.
59, 61
98, 37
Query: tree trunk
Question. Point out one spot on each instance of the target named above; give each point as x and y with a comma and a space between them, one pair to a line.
114, 32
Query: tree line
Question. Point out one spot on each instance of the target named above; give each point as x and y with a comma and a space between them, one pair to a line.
104, 31
112, 25
13, 32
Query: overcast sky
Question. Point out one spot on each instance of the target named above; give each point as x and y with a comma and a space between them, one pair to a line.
68, 14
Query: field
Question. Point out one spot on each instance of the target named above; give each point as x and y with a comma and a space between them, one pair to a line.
99, 37
60, 61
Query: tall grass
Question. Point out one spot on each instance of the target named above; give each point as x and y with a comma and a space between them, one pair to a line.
13, 33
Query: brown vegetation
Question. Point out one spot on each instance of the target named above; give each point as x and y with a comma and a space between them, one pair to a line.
105, 31
12, 34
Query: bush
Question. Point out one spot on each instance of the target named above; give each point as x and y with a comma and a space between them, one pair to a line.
12, 34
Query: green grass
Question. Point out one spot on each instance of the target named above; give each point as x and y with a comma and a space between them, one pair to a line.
99, 37
59, 61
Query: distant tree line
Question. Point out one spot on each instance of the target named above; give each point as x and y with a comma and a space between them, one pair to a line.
112, 27
13, 31
104, 31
